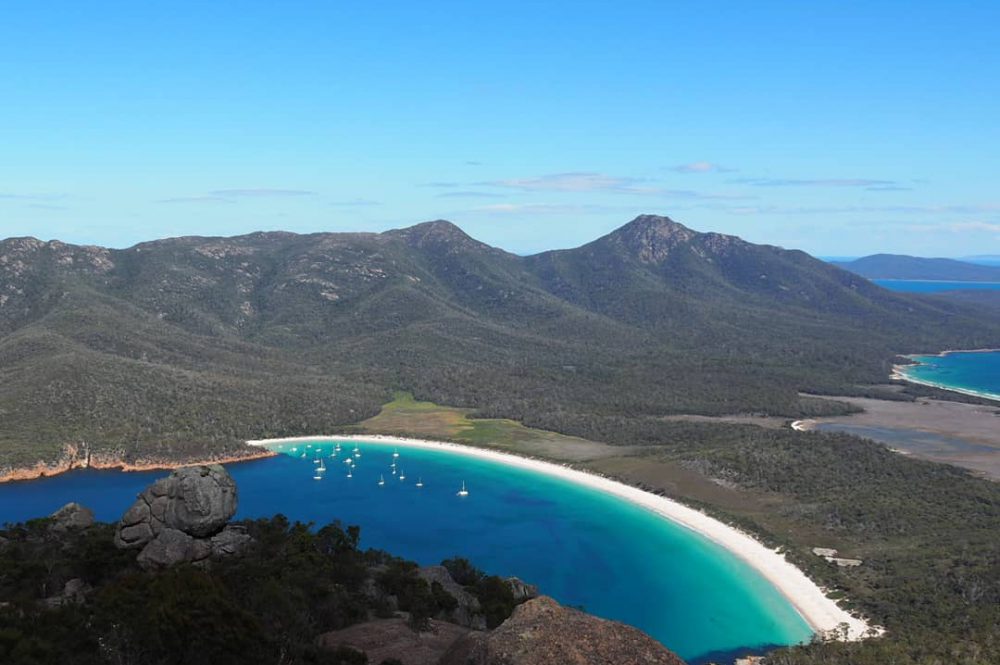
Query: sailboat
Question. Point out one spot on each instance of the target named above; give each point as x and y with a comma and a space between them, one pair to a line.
357, 451
402, 476
463, 491
381, 480
420, 482
336, 448
395, 452
322, 467
349, 474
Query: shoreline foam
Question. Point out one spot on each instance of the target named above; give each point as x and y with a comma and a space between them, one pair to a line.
821, 613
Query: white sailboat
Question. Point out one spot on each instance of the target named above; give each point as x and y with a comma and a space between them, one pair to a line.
322, 467
463, 491
395, 452
336, 448
402, 476
357, 451
420, 482
381, 480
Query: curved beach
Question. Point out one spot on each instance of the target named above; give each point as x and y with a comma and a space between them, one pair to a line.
899, 373
821, 613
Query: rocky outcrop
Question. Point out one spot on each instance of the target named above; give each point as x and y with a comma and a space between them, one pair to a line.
182, 518
521, 590
468, 612
541, 632
387, 639
72, 516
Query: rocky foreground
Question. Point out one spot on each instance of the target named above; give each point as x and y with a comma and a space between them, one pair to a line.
175, 582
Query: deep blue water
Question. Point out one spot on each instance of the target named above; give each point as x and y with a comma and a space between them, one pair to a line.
967, 371
581, 546
929, 286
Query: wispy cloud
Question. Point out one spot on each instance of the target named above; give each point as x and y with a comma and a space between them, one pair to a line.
260, 192
46, 206
701, 167
815, 182
889, 188
470, 194
355, 203
15, 196
546, 208
441, 184
950, 209
588, 182
196, 199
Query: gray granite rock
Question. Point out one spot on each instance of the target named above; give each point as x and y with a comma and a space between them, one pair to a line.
72, 516
182, 518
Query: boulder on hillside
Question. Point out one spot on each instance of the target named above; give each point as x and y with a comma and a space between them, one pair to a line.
468, 613
521, 590
542, 632
183, 518
72, 516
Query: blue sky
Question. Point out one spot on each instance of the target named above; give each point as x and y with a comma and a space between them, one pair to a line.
840, 128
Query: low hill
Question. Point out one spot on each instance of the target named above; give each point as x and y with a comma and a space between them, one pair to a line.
173, 347
893, 266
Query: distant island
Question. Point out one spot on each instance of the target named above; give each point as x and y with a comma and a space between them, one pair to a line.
895, 266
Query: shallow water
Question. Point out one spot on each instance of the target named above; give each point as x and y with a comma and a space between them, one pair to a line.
579, 545
969, 371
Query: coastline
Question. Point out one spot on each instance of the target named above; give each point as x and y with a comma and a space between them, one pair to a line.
899, 373
821, 613
45, 470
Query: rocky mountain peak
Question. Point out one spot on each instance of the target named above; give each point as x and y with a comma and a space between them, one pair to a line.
651, 238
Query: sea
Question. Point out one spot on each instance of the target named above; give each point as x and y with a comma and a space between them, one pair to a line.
972, 372
932, 286
584, 547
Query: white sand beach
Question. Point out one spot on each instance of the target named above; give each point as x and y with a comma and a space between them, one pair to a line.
821, 613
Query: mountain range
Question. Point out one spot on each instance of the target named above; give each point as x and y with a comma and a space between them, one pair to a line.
895, 266
196, 343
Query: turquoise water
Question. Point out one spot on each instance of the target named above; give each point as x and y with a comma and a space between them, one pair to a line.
929, 286
579, 545
966, 371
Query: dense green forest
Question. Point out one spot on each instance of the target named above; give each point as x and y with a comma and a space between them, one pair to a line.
266, 606
174, 347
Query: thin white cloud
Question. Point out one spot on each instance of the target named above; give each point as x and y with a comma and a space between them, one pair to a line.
588, 182
196, 199
815, 182
14, 196
545, 208
470, 194
260, 192
701, 167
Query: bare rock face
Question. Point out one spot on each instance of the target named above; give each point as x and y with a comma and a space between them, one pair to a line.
72, 516
182, 518
468, 613
522, 590
542, 632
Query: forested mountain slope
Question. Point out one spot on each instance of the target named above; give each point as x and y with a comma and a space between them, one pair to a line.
176, 345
